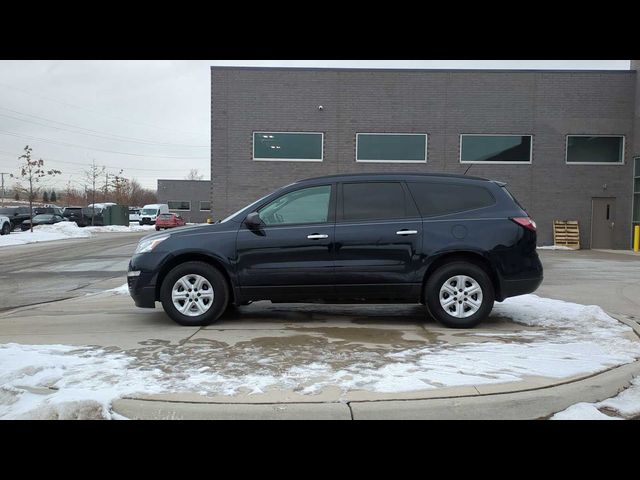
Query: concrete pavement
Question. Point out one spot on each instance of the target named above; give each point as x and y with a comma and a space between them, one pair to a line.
50, 271
300, 334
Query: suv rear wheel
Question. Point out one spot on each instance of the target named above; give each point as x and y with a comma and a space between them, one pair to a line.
6, 228
194, 294
459, 295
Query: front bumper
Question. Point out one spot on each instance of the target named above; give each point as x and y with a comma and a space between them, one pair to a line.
142, 276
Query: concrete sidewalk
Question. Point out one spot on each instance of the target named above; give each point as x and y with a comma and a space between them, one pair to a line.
301, 334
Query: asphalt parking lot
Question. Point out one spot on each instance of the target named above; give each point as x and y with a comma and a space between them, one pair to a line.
330, 358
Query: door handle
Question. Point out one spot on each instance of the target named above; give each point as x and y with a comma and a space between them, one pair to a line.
406, 232
316, 236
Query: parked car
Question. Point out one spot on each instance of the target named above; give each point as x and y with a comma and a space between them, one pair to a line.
5, 225
74, 214
451, 242
50, 210
169, 220
95, 213
16, 215
42, 219
149, 213
134, 214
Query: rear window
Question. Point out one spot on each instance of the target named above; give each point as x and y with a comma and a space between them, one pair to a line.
445, 198
510, 195
166, 215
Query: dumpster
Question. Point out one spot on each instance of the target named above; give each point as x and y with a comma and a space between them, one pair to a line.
116, 215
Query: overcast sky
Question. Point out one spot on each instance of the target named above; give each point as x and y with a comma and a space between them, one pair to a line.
149, 118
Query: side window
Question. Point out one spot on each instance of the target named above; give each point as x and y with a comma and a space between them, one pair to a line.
375, 201
444, 198
309, 205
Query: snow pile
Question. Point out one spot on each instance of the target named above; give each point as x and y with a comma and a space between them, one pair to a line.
121, 290
45, 233
555, 247
625, 405
568, 340
133, 227
87, 380
65, 230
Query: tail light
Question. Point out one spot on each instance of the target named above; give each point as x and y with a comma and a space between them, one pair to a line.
525, 222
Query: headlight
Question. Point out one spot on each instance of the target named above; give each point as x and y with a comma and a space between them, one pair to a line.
146, 246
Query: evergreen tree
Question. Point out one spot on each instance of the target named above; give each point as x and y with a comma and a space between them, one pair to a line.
53, 197
16, 196
45, 197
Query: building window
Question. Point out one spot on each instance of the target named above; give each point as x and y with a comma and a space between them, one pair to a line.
288, 146
595, 149
205, 206
480, 148
391, 147
182, 206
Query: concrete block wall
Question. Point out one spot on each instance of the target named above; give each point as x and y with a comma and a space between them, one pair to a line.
443, 104
193, 191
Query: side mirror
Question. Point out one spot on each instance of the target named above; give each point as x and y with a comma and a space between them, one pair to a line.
253, 221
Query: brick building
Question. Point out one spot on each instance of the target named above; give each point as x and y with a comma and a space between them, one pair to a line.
564, 141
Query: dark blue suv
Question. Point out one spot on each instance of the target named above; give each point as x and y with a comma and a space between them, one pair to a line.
453, 243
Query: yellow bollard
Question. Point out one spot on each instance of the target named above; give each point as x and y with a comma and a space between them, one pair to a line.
636, 238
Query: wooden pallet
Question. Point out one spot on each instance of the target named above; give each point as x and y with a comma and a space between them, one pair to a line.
566, 233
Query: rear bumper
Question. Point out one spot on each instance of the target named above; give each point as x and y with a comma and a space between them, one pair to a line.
512, 288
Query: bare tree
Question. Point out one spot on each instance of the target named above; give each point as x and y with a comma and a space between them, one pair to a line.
194, 175
31, 171
92, 175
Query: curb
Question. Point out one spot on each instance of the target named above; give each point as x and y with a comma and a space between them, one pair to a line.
533, 404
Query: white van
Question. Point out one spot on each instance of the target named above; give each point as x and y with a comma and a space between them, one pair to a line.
149, 213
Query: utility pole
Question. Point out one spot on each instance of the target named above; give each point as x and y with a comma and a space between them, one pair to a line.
2, 174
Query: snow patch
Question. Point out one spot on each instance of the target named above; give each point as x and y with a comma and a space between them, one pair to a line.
624, 405
555, 247
122, 290
576, 339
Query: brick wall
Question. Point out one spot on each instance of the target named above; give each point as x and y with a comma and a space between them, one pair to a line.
546, 104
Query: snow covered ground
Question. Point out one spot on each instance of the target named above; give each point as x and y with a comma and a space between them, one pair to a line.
625, 405
63, 231
568, 339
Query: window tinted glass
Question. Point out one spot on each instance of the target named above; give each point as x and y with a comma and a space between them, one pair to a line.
205, 206
309, 205
495, 148
594, 149
443, 198
374, 200
287, 146
166, 215
179, 205
391, 148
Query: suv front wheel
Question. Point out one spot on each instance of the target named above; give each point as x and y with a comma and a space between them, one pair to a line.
459, 295
194, 294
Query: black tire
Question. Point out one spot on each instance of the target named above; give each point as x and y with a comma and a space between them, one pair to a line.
438, 279
6, 228
213, 276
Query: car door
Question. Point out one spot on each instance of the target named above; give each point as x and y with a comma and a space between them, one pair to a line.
378, 238
290, 255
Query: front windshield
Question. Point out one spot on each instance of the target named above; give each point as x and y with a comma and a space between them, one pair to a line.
42, 218
248, 207
149, 211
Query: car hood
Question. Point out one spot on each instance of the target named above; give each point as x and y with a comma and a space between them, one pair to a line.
207, 228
